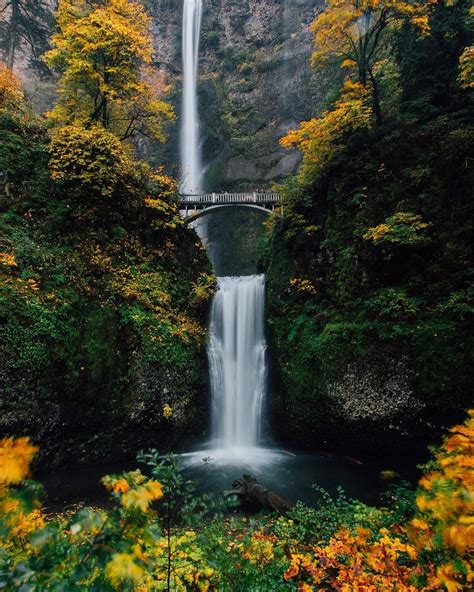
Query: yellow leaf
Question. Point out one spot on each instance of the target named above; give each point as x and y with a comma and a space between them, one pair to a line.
15, 458
122, 569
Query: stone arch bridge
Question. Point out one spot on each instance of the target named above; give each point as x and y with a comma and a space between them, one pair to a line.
196, 206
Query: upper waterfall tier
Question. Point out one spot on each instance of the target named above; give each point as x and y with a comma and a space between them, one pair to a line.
191, 181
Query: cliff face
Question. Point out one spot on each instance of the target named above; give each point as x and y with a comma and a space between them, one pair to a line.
103, 307
255, 83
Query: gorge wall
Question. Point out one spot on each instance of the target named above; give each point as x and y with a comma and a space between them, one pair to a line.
255, 84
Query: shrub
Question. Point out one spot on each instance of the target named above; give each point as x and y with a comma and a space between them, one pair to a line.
340, 544
392, 304
89, 160
403, 229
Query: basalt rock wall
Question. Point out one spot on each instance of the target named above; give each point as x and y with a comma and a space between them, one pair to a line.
255, 84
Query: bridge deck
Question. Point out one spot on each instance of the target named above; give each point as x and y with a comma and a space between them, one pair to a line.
196, 205
229, 198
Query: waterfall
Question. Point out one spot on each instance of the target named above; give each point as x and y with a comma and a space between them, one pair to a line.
237, 362
237, 341
190, 140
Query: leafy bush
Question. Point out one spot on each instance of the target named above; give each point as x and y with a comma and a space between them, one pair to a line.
88, 160
317, 525
403, 228
119, 549
443, 525
428, 552
391, 304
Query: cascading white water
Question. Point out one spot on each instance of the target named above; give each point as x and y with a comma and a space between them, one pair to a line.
237, 362
237, 340
191, 181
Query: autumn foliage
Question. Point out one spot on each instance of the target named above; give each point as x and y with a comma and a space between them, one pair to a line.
124, 549
466, 74
15, 458
11, 93
353, 34
321, 138
352, 30
445, 508
91, 159
431, 552
103, 51
358, 561
350, 34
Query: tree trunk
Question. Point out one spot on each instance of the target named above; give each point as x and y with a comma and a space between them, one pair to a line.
375, 98
105, 112
362, 74
14, 18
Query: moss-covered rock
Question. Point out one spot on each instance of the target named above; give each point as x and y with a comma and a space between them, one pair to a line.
370, 291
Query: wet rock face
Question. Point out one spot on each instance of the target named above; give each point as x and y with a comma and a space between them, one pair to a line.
381, 392
262, 168
233, 238
255, 83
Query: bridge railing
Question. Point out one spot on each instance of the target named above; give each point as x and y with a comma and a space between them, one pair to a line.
217, 198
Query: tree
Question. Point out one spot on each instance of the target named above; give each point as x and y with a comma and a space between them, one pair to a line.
320, 139
25, 22
11, 93
103, 51
353, 33
428, 64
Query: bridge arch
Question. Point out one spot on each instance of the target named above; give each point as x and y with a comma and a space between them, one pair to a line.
196, 206
196, 214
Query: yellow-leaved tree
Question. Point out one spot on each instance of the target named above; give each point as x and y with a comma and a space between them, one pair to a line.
352, 33
103, 51
11, 93
466, 61
320, 138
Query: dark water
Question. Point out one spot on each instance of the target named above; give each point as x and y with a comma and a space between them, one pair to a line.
290, 474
